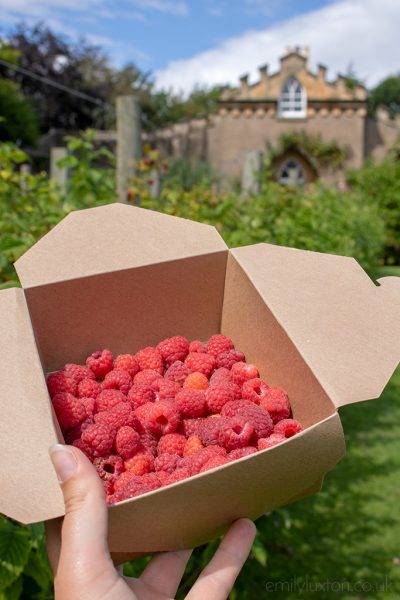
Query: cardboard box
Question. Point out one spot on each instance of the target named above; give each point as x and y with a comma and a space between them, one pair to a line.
124, 277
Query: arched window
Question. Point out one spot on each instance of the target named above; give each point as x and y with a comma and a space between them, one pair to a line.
291, 173
293, 99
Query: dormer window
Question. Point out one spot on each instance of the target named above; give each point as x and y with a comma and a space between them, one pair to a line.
293, 100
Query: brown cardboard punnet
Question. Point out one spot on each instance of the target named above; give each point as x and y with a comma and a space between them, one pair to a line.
124, 278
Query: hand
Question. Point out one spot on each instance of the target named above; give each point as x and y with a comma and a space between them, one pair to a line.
81, 560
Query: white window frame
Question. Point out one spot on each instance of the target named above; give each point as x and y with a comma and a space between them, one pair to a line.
292, 100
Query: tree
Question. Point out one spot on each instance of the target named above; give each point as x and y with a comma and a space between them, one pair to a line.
387, 95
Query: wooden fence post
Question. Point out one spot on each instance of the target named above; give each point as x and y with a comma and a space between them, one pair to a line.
129, 142
251, 173
59, 174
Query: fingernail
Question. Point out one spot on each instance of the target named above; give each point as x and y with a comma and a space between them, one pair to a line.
64, 462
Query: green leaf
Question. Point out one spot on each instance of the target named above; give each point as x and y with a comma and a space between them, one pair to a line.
13, 592
259, 552
15, 546
39, 570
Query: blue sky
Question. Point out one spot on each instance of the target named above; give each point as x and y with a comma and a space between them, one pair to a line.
184, 42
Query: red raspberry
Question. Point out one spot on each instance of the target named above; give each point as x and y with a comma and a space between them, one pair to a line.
78, 372
192, 445
221, 375
257, 416
99, 438
197, 346
204, 363
108, 399
236, 432
108, 487
127, 362
231, 409
163, 477
147, 376
90, 406
117, 416
139, 394
150, 358
166, 462
242, 371
241, 452
100, 362
217, 396
110, 467
75, 432
218, 343
228, 358
200, 458
117, 379
165, 389
272, 440
178, 476
288, 427
70, 411
236, 389
159, 418
276, 402
208, 430
134, 487
196, 381
88, 388
212, 463
149, 443
61, 382
191, 403
254, 390
173, 349
127, 442
141, 463
85, 448
122, 480
151, 480
172, 443
178, 372
189, 426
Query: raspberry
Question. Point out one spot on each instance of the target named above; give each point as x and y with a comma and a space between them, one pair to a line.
139, 394
242, 371
119, 415
196, 381
75, 432
172, 443
178, 372
122, 480
189, 426
150, 358
204, 363
108, 399
141, 463
78, 372
212, 463
191, 403
88, 388
159, 418
272, 440
127, 442
85, 448
217, 396
208, 430
165, 389
231, 409
197, 346
127, 362
236, 432
254, 390
218, 343
200, 458
192, 445
178, 476
70, 411
151, 480
255, 414
288, 427
277, 404
100, 362
108, 486
228, 358
221, 375
90, 406
99, 438
147, 376
173, 349
166, 462
163, 477
110, 467
134, 487
236, 389
241, 452
117, 379
149, 443
61, 382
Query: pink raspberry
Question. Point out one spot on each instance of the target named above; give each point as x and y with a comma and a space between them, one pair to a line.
163, 477
108, 487
150, 359
196, 381
272, 440
85, 448
212, 463
236, 432
108, 399
166, 462
149, 442
173, 349
147, 376
197, 346
78, 372
288, 427
241, 452
276, 402
90, 406
61, 382
159, 418
117, 379
75, 432
88, 388
70, 411
110, 467
122, 480
119, 415
178, 475
189, 426
100, 362
151, 480
134, 487
255, 414
127, 362
204, 363
140, 463
208, 430
200, 458
165, 389
219, 343
172, 443
230, 409
242, 371
217, 396
127, 442
190, 403
178, 372
220, 375
192, 445
228, 358
140, 393
254, 390
99, 438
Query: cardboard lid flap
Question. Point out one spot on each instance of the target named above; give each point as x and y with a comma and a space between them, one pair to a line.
346, 327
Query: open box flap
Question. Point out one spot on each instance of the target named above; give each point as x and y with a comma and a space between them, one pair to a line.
112, 238
346, 327
29, 487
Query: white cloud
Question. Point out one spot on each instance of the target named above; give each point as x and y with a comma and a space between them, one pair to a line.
363, 33
174, 8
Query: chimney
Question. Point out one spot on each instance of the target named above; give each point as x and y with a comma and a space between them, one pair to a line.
244, 83
306, 52
263, 73
321, 72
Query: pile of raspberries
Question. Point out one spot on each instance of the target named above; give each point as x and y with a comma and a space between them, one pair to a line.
153, 418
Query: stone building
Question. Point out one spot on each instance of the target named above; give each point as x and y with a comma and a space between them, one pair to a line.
253, 117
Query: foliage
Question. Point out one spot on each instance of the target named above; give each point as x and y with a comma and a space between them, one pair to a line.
319, 152
387, 95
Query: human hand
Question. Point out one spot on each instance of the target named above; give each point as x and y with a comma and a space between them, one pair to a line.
81, 560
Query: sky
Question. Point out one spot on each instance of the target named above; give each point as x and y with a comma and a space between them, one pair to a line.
205, 42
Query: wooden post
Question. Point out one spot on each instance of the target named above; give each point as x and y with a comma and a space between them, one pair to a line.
59, 174
129, 142
251, 173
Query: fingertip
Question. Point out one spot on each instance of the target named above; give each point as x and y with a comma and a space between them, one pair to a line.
247, 525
